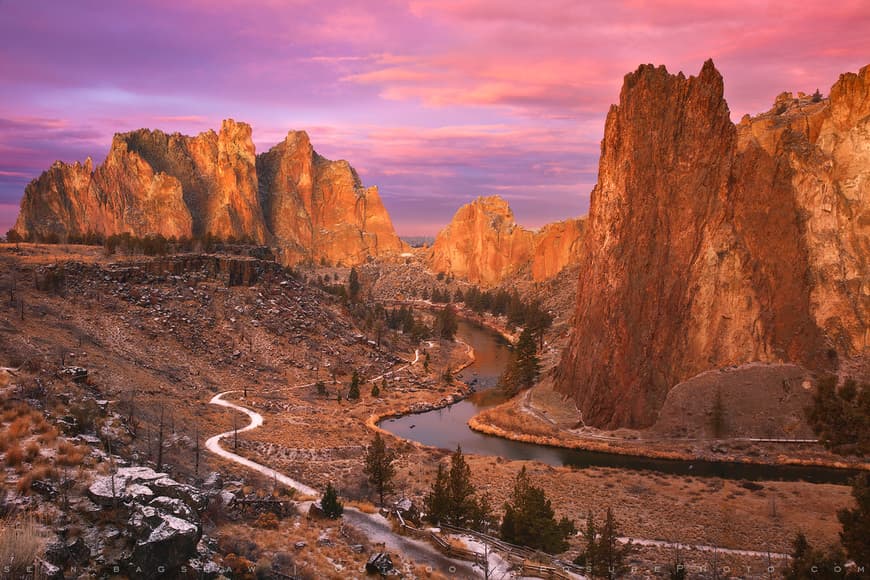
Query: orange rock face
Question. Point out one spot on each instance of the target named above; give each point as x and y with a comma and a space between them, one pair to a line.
484, 245
183, 187
318, 208
710, 244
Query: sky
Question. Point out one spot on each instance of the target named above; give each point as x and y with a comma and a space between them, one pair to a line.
434, 101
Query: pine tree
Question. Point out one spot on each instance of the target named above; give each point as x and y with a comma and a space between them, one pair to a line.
353, 390
530, 520
438, 498
589, 557
612, 555
446, 323
453, 499
376, 392
461, 490
332, 507
379, 466
353, 285
855, 536
523, 368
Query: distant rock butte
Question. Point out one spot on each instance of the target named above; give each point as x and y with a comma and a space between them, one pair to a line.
710, 244
484, 245
151, 182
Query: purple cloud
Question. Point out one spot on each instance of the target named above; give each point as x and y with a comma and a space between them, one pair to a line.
435, 101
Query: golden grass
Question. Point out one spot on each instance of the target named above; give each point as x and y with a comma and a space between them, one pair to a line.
31, 451
20, 544
365, 507
14, 454
509, 418
69, 455
40, 473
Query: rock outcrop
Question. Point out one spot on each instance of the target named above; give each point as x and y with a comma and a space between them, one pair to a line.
185, 187
710, 244
484, 245
318, 208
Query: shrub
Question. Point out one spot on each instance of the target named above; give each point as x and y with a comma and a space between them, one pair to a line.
267, 521
14, 455
31, 452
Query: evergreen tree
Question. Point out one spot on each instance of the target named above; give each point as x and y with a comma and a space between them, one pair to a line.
446, 323
589, 557
611, 553
353, 391
523, 368
353, 285
379, 466
452, 499
376, 392
461, 505
855, 535
529, 519
808, 563
438, 498
332, 507
841, 418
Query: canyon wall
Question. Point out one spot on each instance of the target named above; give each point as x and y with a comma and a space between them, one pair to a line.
484, 245
214, 184
710, 244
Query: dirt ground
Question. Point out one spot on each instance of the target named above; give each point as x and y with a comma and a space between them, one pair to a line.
175, 341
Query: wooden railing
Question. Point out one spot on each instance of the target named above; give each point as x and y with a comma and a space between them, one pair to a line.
531, 562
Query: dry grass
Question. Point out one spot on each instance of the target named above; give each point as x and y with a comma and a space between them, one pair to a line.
31, 451
20, 544
14, 454
69, 455
365, 507
509, 418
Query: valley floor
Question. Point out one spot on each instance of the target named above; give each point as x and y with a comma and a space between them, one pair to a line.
175, 341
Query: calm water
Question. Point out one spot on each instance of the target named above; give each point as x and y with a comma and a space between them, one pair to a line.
446, 428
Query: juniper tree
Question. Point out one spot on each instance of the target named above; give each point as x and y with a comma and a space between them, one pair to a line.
330, 504
353, 391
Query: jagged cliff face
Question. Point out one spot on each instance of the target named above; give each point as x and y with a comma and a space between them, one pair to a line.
484, 245
556, 246
710, 244
180, 186
319, 208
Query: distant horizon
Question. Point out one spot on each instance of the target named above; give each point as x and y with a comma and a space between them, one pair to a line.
436, 103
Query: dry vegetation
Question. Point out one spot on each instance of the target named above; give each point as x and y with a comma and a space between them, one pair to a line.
205, 338
20, 543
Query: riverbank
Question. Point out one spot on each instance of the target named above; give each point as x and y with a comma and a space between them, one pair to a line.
517, 420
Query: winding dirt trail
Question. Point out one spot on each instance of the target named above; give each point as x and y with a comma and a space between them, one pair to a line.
375, 526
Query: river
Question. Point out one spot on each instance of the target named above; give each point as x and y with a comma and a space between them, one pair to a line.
446, 428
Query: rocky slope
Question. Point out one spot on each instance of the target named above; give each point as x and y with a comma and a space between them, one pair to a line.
214, 184
484, 245
710, 244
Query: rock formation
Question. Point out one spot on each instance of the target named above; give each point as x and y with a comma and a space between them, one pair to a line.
484, 245
319, 207
710, 244
184, 187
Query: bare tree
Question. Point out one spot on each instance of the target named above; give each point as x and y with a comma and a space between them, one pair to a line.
160, 440
196, 449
